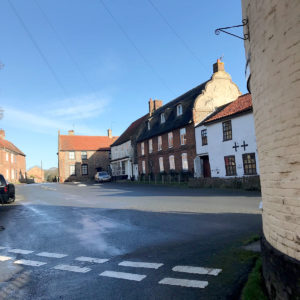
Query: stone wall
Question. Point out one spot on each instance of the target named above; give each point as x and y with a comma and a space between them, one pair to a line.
273, 53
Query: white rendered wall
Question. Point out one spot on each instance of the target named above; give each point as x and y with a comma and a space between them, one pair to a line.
242, 130
121, 151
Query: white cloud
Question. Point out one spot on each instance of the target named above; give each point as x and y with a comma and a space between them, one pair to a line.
68, 114
84, 107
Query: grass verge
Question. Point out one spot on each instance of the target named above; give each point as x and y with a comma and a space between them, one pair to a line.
254, 288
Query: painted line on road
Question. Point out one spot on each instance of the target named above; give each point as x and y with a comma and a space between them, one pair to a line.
20, 251
52, 255
135, 264
184, 282
197, 270
92, 259
5, 258
72, 268
1, 248
32, 263
123, 275
81, 184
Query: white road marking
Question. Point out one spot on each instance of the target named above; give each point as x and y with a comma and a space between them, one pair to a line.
140, 264
54, 255
81, 184
197, 270
92, 259
5, 258
1, 248
72, 268
20, 251
122, 275
32, 263
184, 282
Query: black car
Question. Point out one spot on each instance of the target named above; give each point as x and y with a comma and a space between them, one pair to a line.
7, 191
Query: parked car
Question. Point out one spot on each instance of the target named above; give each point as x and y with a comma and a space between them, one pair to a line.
102, 177
7, 191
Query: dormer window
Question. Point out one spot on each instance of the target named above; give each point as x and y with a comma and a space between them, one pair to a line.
162, 118
179, 110
148, 124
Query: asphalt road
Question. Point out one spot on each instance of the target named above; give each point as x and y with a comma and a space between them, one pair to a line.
118, 241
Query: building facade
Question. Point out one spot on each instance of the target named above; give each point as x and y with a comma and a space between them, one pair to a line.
273, 61
167, 142
80, 157
36, 173
124, 163
226, 142
12, 161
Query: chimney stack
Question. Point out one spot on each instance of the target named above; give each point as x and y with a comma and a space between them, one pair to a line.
2, 134
151, 107
109, 133
218, 66
71, 132
154, 105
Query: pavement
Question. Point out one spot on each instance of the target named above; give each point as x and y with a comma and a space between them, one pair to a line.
125, 241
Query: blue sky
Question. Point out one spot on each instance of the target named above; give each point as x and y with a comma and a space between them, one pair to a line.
71, 64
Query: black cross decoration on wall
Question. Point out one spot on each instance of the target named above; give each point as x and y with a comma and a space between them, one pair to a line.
244, 145
235, 146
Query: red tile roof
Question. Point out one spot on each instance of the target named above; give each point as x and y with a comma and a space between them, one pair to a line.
241, 104
130, 131
10, 146
84, 142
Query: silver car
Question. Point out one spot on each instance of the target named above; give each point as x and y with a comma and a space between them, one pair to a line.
102, 177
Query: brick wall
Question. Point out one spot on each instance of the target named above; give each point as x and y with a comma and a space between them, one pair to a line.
17, 166
274, 52
36, 173
95, 159
176, 150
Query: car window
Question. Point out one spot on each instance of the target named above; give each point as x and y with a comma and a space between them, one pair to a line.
102, 173
2, 181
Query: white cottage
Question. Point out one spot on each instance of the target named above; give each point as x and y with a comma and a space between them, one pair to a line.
123, 162
226, 143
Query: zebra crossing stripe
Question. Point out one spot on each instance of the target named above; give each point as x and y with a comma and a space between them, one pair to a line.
5, 258
72, 268
92, 259
197, 270
51, 255
184, 282
140, 264
123, 275
20, 251
32, 263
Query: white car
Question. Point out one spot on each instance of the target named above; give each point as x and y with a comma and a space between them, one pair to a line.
102, 177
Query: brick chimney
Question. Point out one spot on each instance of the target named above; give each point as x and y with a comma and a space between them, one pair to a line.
151, 107
218, 66
2, 134
71, 132
157, 104
109, 133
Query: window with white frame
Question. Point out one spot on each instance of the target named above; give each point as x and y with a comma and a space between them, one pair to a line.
7, 174
150, 146
185, 165
161, 164
148, 124
72, 170
6, 156
12, 157
143, 148
159, 143
162, 118
143, 167
182, 136
12, 174
83, 155
172, 162
170, 139
71, 155
179, 110
84, 169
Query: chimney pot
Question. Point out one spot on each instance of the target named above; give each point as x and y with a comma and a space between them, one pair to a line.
71, 132
218, 66
2, 134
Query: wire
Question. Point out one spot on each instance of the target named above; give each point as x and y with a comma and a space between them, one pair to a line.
39, 50
187, 47
146, 61
80, 71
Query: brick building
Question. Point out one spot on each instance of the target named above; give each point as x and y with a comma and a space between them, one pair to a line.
36, 173
273, 62
12, 160
81, 156
167, 141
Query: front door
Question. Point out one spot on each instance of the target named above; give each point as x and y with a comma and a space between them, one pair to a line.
206, 166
